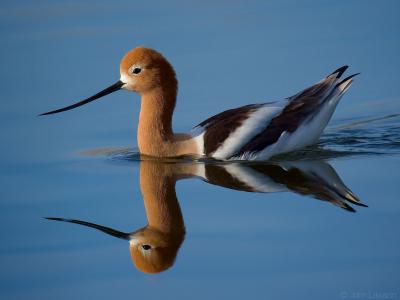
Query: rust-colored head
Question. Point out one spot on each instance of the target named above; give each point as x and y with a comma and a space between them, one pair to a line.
143, 69
153, 251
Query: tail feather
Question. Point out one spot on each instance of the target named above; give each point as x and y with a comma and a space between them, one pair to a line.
339, 72
349, 196
347, 79
344, 84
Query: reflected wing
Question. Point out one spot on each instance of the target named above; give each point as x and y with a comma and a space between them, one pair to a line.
315, 179
319, 180
243, 177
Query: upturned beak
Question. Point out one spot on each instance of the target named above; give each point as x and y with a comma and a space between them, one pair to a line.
113, 88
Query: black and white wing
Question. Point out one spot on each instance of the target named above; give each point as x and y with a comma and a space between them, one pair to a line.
259, 131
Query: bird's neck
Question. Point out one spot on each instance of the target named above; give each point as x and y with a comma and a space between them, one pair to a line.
155, 120
155, 134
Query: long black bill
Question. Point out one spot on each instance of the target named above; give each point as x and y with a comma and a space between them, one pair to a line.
108, 230
113, 88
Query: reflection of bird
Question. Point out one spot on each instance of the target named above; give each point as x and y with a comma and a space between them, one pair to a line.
255, 131
316, 179
154, 247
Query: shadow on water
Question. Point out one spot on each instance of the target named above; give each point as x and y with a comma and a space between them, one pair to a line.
154, 247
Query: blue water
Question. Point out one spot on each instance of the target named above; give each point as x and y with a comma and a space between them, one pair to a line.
280, 245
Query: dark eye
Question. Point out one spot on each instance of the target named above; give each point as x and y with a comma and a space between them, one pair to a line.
136, 70
146, 247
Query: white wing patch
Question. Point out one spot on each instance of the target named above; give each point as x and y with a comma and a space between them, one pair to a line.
199, 140
257, 181
254, 124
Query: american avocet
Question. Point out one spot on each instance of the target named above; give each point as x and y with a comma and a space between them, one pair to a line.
255, 131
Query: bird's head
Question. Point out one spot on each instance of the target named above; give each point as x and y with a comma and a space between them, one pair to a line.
153, 251
142, 70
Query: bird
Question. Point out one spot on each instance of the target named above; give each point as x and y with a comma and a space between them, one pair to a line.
251, 132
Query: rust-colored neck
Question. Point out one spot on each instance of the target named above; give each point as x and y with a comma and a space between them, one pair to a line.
155, 120
155, 133
157, 184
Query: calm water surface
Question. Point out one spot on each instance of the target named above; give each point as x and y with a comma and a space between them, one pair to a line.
283, 229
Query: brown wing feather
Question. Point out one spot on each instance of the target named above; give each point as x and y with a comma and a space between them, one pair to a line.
219, 127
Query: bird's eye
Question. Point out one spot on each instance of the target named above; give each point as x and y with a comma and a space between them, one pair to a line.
136, 70
146, 247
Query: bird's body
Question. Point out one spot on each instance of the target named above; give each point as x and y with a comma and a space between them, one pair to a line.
259, 131
255, 131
